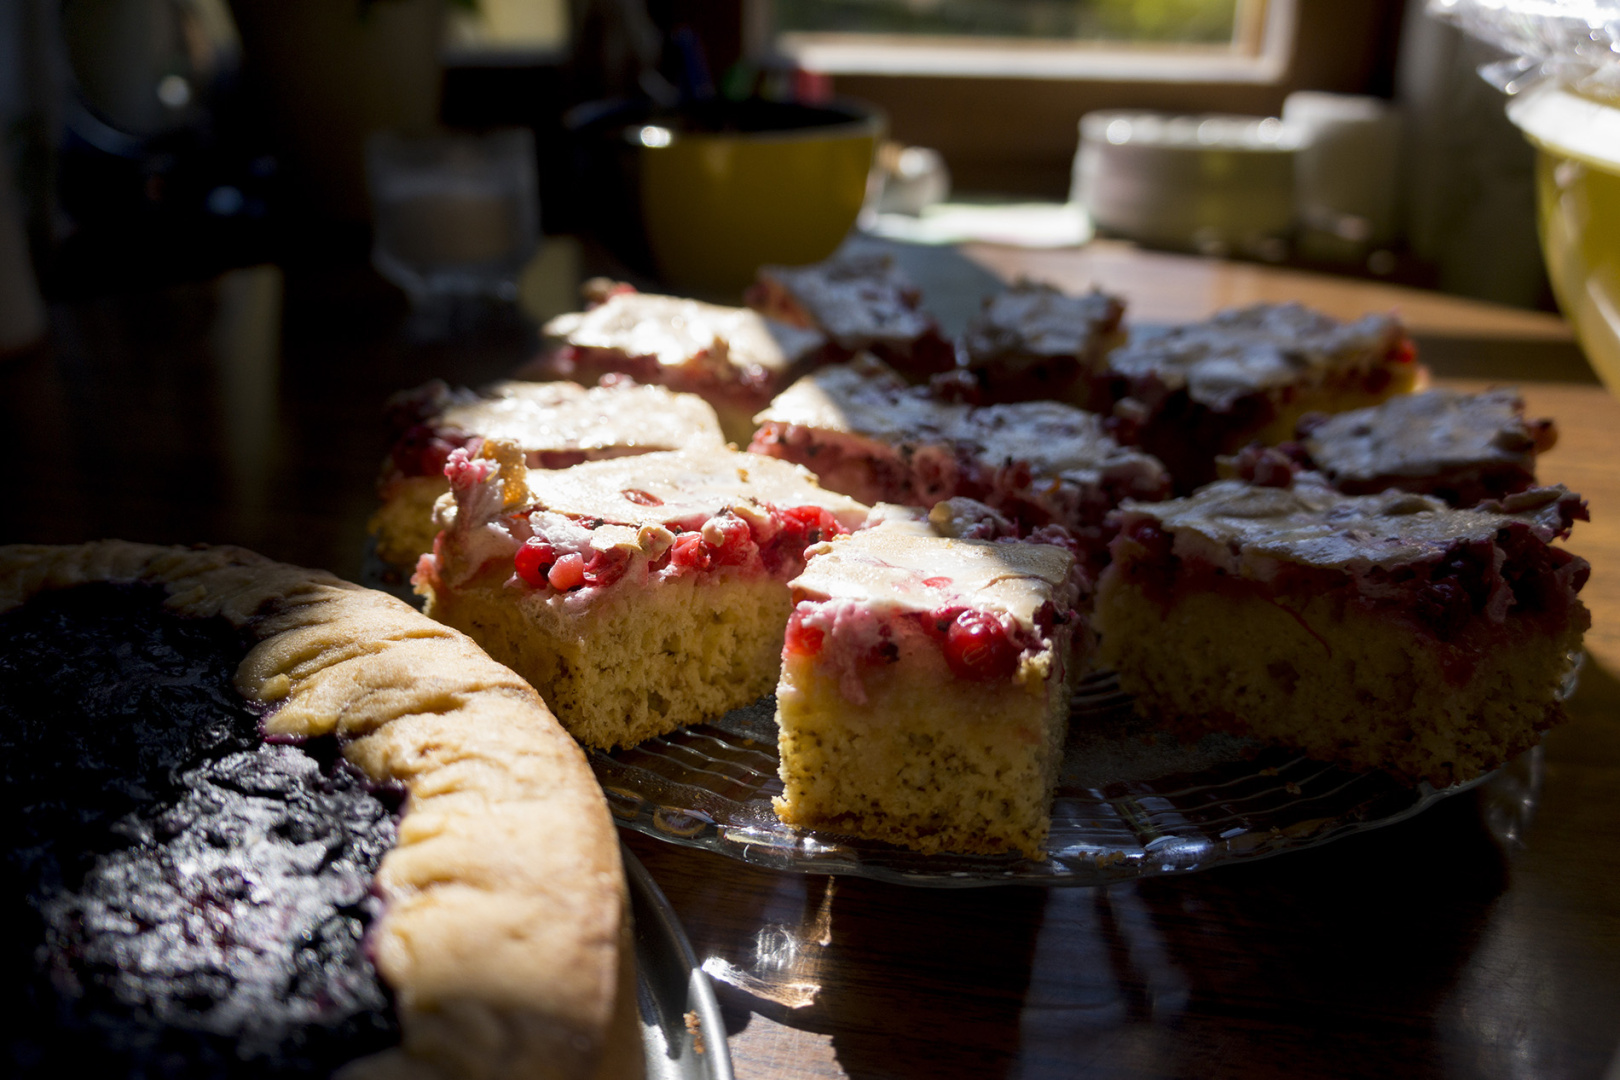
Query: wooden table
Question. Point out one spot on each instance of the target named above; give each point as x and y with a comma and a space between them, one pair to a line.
1473, 940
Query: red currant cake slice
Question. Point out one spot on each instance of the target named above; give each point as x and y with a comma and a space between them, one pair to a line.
734, 358
925, 689
864, 432
1032, 342
1385, 631
862, 302
264, 823
638, 595
556, 423
1463, 448
1201, 390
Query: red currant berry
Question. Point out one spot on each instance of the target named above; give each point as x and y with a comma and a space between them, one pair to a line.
606, 567
689, 552
977, 647
802, 640
567, 572
729, 538
641, 498
533, 559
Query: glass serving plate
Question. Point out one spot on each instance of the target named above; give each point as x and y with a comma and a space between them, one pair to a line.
1130, 803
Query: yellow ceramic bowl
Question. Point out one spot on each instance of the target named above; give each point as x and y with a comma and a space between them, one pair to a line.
717, 204
1577, 140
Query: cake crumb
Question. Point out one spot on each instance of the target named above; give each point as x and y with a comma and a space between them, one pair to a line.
694, 1027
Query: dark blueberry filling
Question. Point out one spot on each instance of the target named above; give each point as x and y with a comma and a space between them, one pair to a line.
183, 898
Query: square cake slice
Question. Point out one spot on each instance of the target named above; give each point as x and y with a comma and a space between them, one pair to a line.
1197, 391
866, 433
1032, 342
734, 358
638, 594
863, 303
1384, 631
1463, 448
556, 424
925, 687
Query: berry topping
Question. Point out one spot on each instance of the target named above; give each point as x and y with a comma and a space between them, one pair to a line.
187, 900
977, 648
729, 538
605, 567
802, 640
689, 552
567, 572
533, 561
641, 498
424, 450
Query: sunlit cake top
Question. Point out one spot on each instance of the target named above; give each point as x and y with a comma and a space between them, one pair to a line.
1250, 350
675, 330
867, 399
681, 487
1426, 434
567, 416
1037, 320
1249, 530
895, 567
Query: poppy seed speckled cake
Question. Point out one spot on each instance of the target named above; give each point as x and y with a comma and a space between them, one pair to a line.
639, 594
1387, 631
924, 697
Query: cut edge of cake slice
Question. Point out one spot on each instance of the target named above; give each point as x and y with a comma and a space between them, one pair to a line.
638, 595
925, 688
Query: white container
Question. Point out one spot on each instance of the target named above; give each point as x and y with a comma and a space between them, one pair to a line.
1346, 176
1216, 184
454, 215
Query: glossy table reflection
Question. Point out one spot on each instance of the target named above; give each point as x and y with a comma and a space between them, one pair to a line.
1478, 939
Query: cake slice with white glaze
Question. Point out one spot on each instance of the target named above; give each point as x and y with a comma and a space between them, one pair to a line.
1385, 631
637, 595
925, 689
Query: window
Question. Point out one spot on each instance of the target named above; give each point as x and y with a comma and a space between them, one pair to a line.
1180, 40
999, 86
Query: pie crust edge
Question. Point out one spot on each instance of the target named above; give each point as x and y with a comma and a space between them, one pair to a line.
504, 935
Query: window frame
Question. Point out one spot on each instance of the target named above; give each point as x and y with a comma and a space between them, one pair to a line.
1017, 133
1262, 46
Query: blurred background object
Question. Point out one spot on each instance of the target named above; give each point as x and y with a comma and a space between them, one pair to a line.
237, 138
453, 214
1219, 185
1561, 66
145, 68
330, 73
1577, 139
1346, 175
723, 193
22, 310
1469, 177
910, 179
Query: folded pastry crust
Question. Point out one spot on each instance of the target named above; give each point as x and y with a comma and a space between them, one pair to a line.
504, 931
